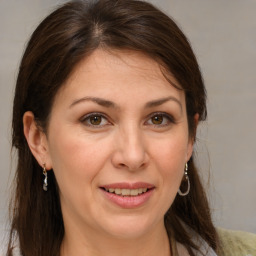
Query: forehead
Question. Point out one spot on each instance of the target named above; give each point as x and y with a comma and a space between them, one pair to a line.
113, 71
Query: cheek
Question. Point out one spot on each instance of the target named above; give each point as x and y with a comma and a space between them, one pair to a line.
75, 159
171, 153
170, 159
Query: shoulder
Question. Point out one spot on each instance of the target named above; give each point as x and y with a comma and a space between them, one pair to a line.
236, 243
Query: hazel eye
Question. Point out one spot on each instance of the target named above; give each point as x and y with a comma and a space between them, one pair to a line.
157, 119
160, 119
95, 120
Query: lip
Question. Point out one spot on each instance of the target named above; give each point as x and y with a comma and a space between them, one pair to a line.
127, 185
128, 202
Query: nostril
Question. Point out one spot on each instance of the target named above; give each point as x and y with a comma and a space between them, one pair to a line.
130, 159
122, 165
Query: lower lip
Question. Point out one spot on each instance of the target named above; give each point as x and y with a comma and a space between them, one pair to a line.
129, 202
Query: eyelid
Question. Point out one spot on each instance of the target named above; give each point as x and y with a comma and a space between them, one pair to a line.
170, 118
102, 115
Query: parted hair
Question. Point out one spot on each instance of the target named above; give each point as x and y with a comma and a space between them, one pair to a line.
65, 37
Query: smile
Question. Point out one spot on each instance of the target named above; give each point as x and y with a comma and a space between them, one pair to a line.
128, 195
126, 192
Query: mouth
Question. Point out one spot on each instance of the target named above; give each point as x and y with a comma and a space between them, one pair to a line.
128, 195
125, 192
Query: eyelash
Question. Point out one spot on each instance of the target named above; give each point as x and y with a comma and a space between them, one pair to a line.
167, 117
86, 119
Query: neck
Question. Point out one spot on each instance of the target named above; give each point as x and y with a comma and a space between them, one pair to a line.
153, 243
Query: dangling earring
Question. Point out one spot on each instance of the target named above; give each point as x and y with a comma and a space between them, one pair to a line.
187, 179
45, 179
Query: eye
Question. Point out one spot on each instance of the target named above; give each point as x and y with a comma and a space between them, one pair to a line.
95, 120
157, 119
160, 119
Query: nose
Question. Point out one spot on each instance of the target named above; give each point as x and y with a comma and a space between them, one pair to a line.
130, 150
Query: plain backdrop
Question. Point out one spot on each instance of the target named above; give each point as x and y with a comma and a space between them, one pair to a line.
223, 36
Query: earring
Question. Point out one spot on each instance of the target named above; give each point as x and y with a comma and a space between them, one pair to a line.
45, 179
187, 179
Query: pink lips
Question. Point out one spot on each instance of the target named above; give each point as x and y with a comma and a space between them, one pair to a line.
128, 201
127, 185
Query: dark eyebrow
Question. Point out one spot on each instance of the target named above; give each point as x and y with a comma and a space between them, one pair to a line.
159, 102
99, 101
110, 104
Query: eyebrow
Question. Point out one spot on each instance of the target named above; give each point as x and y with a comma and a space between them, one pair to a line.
111, 104
161, 101
99, 101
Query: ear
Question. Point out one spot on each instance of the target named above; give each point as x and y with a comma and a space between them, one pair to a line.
192, 137
37, 140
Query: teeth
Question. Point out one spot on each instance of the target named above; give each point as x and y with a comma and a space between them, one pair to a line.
118, 191
134, 192
127, 192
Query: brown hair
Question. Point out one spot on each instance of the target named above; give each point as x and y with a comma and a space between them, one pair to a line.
59, 43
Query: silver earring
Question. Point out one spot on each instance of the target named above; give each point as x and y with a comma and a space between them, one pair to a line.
45, 179
187, 179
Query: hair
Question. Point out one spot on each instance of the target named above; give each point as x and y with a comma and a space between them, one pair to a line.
68, 35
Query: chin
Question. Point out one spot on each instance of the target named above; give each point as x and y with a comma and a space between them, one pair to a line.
130, 227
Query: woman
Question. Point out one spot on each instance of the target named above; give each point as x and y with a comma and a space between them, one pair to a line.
107, 102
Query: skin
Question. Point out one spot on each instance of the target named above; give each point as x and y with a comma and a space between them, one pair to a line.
141, 137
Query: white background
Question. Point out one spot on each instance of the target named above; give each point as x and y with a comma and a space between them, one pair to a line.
223, 35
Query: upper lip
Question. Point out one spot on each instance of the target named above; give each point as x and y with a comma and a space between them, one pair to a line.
127, 185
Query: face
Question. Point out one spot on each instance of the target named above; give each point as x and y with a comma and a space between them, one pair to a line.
118, 142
